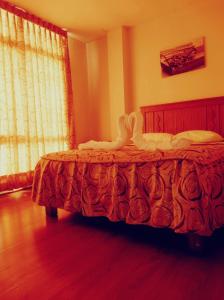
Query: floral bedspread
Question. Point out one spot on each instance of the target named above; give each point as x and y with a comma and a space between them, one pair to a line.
179, 189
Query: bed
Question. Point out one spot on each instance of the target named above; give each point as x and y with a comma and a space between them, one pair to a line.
182, 190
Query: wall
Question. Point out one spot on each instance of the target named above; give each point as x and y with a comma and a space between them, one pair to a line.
119, 75
106, 87
121, 72
89, 69
116, 77
98, 89
146, 40
78, 61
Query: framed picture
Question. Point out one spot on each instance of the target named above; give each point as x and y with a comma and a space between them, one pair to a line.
183, 58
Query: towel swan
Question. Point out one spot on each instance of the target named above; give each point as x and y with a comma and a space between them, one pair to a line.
121, 140
153, 141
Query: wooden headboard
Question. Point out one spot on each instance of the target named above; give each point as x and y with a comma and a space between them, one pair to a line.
204, 114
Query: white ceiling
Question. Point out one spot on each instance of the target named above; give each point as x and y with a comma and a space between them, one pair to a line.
89, 19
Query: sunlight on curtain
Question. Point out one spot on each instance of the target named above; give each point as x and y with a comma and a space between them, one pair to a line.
33, 96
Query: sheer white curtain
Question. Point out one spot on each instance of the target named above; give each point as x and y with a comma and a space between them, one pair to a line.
35, 97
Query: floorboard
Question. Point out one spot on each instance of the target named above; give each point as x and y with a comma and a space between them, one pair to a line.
75, 257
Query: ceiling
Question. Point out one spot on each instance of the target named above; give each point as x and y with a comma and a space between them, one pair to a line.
90, 19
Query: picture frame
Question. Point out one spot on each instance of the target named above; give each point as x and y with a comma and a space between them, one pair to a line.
184, 58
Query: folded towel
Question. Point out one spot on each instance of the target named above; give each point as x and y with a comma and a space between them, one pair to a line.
153, 141
121, 140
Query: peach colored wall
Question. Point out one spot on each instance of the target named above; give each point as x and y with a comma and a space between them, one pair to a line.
98, 91
116, 77
146, 40
89, 68
127, 70
121, 72
107, 90
77, 54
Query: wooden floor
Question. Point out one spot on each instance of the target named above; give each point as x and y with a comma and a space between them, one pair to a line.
91, 258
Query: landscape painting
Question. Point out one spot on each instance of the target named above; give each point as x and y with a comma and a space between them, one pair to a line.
187, 57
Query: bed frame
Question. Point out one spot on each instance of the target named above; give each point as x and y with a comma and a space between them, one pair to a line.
201, 114
204, 114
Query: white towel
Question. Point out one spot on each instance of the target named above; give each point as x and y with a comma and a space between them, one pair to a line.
121, 140
136, 123
152, 141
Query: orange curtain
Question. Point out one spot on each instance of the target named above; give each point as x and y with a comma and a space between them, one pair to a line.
35, 97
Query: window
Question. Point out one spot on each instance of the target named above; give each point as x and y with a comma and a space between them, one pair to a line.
34, 93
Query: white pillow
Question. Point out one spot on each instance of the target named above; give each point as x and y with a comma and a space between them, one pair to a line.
199, 136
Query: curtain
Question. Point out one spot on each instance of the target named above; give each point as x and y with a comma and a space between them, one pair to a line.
35, 97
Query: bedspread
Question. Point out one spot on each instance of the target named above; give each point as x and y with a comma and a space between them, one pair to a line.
179, 189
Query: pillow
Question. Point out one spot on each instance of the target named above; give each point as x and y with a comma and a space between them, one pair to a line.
157, 136
199, 136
